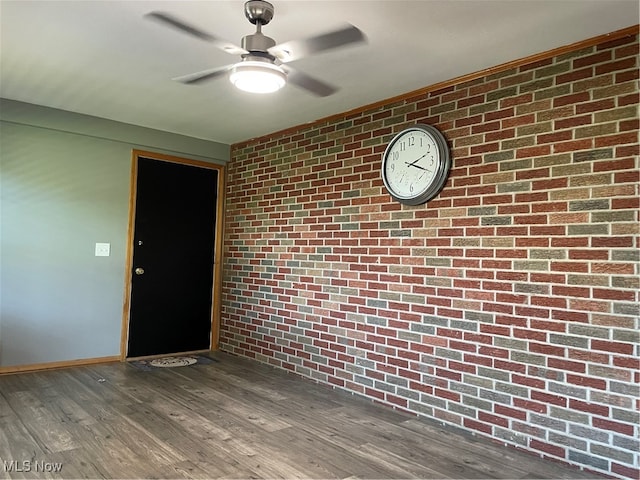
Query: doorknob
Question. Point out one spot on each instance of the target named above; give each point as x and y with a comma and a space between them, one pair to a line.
139, 271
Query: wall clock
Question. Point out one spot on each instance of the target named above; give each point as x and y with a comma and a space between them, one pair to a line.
416, 164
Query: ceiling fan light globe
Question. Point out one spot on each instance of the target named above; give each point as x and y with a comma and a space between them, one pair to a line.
258, 77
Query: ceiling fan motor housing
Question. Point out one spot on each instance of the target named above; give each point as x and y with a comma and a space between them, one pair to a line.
257, 43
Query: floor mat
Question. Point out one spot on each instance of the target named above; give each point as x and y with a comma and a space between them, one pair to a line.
172, 362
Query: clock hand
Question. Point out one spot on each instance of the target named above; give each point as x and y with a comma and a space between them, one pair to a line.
416, 161
418, 166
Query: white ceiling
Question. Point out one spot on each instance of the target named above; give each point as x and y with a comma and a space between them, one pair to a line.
103, 58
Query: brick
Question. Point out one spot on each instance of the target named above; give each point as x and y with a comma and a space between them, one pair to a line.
557, 113
596, 383
593, 155
570, 415
619, 90
620, 414
624, 64
548, 422
567, 441
625, 429
623, 164
592, 408
617, 42
536, 85
581, 205
613, 242
625, 471
596, 130
627, 112
554, 69
616, 140
579, 97
573, 121
574, 75
572, 145
548, 399
592, 179
599, 57
615, 347
590, 460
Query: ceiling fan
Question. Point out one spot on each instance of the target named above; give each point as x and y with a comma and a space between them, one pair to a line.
263, 67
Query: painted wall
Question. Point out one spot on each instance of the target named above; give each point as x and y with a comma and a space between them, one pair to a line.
65, 182
507, 306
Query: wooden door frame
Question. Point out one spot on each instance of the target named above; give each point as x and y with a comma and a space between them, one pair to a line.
216, 297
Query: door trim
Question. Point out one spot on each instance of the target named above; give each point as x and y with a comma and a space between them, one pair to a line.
218, 243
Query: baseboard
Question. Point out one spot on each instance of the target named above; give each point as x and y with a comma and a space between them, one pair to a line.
53, 365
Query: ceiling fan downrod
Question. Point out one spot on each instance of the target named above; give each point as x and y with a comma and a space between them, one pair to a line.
259, 13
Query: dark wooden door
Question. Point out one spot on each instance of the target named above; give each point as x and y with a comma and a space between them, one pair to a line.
173, 258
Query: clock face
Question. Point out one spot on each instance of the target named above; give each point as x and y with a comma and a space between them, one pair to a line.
416, 165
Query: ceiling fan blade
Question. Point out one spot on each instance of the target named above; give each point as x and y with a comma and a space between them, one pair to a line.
224, 45
198, 77
296, 49
313, 85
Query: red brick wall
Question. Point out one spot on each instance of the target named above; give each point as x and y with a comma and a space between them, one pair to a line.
508, 305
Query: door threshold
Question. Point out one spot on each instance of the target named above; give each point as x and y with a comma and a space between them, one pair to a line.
161, 355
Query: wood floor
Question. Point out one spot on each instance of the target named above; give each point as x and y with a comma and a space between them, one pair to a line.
233, 418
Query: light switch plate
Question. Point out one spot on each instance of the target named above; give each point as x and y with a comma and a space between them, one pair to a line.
103, 249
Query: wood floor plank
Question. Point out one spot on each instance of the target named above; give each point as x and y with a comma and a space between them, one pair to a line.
64, 407
357, 439
235, 419
48, 433
6, 412
491, 458
16, 442
330, 457
109, 451
247, 410
233, 449
443, 456
203, 470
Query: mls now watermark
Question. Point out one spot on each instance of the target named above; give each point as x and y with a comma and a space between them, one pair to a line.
26, 466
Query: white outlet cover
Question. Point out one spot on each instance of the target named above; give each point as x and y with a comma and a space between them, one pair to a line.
103, 249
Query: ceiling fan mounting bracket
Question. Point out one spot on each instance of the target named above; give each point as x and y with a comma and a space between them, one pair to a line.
258, 12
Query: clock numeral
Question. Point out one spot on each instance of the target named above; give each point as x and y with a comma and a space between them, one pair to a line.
412, 141
395, 155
